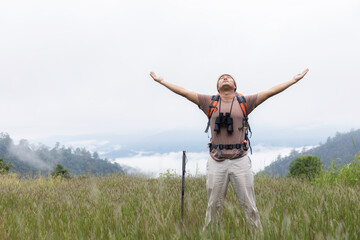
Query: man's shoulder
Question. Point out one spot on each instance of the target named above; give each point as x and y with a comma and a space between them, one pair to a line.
250, 98
251, 102
204, 101
204, 97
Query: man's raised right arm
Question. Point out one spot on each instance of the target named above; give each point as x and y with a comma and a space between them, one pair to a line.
191, 96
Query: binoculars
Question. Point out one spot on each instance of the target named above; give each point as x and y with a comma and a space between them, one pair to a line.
224, 121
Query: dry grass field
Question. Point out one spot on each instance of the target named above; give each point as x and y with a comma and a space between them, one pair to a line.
124, 207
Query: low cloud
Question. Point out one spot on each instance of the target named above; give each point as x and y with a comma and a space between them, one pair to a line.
159, 163
25, 154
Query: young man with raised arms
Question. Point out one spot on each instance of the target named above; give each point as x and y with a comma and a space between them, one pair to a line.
228, 160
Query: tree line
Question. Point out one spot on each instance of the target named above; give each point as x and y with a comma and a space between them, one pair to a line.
29, 160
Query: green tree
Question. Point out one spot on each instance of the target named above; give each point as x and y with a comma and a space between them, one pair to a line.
306, 166
4, 167
60, 171
95, 155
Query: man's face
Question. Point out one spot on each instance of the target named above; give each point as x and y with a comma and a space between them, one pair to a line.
227, 81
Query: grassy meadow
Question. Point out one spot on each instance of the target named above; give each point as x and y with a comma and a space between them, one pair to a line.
124, 207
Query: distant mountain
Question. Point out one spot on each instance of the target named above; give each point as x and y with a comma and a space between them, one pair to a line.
341, 148
28, 159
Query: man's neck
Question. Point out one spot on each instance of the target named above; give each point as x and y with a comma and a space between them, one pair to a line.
227, 95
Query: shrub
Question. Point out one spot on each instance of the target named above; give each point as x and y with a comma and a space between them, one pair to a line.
170, 173
4, 167
60, 171
306, 166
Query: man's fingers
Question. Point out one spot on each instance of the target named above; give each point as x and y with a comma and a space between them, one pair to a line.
156, 78
152, 74
301, 75
305, 72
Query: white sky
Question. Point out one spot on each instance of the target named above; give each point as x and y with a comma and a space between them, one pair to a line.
82, 67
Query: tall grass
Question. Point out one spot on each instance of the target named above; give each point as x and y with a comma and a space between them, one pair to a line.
348, 174
123, 207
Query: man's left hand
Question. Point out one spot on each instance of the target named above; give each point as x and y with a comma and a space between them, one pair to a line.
301, 75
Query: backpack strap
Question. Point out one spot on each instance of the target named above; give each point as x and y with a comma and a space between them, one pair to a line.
246, 126
212, 109
243, 104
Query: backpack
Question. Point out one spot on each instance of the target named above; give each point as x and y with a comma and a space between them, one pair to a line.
243, 105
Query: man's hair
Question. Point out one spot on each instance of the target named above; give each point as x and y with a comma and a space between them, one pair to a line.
217, 84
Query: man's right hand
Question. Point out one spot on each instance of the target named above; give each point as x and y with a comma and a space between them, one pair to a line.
157, 79
192, 96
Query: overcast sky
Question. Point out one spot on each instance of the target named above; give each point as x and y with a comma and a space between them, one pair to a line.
82, 67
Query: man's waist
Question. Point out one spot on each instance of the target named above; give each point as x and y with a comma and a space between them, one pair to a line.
226, 146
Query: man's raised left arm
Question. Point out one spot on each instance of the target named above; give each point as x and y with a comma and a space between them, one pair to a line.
262, 96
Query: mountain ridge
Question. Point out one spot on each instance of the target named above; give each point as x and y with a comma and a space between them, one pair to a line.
340, 148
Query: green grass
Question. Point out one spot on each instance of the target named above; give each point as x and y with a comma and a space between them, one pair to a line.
123, 207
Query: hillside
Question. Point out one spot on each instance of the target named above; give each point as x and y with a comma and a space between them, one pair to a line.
27, 159
341, 148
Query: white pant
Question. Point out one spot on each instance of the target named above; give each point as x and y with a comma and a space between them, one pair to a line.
238, 172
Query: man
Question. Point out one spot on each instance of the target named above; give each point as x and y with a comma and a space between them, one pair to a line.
229, 163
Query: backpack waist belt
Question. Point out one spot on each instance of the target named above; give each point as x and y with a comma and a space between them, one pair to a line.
225, 146
242, 146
